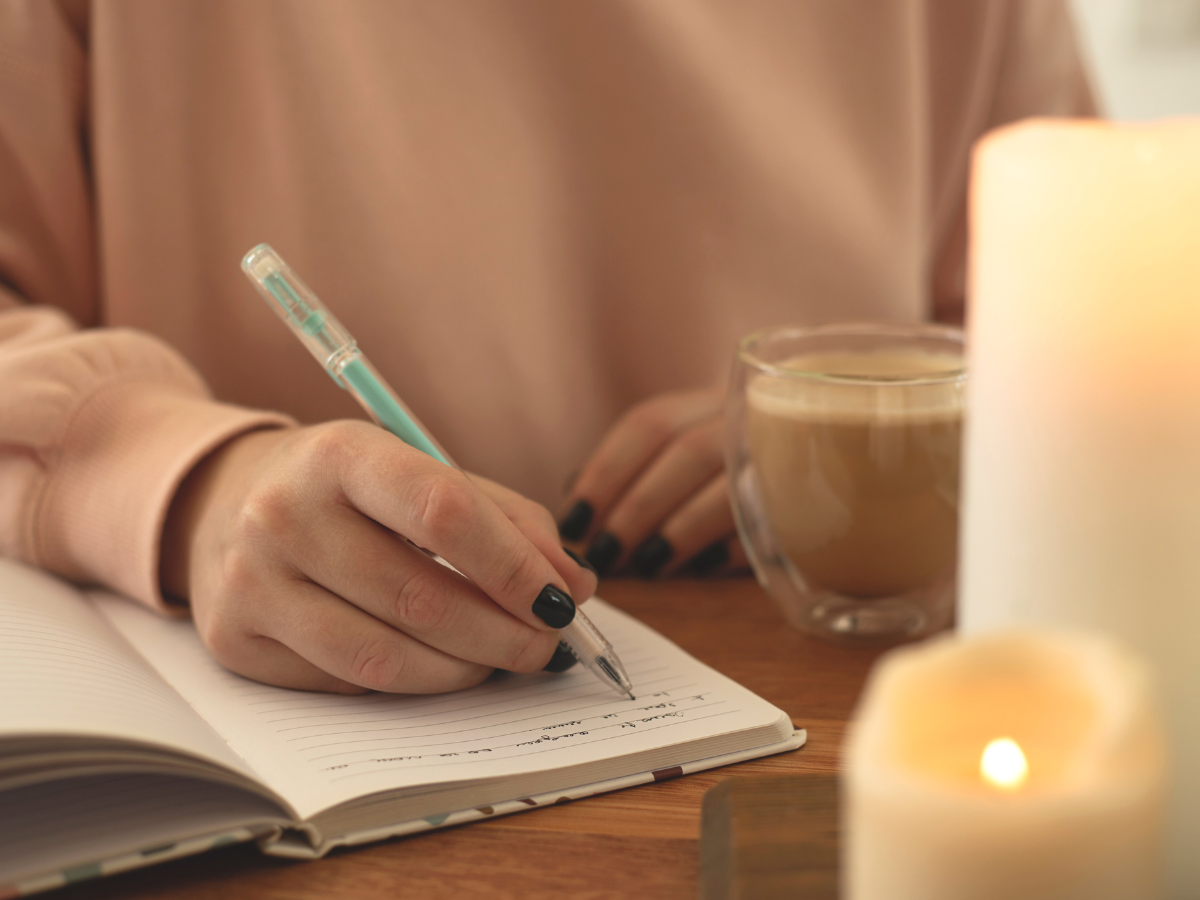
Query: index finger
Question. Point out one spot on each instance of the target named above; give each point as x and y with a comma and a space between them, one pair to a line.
438, 508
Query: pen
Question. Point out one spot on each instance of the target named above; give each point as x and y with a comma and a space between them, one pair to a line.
338, 353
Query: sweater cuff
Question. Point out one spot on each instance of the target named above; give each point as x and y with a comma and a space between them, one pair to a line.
123, 456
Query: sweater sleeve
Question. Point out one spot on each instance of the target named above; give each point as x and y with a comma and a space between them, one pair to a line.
98, 426
1034, 69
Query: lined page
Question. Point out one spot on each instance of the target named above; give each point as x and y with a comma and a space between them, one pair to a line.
65, 671
318, 750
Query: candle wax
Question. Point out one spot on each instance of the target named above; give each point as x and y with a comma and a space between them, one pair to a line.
1073, 809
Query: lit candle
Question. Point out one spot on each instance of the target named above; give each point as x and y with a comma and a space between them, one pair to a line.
1003, 764
1082, 460
1016, 765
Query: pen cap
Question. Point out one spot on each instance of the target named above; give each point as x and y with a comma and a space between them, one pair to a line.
295, 303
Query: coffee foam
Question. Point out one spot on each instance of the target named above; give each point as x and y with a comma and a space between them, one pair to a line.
883, 396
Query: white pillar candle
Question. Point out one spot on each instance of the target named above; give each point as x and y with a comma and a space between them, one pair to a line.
1017, 765
1082, 461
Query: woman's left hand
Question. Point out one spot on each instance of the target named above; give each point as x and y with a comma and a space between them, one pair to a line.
653, 498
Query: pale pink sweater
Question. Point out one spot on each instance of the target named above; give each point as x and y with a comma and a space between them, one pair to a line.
532, 213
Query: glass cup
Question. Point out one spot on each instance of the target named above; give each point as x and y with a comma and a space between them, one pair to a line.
842, 449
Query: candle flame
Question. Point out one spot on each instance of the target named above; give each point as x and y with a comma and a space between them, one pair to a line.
1003, 764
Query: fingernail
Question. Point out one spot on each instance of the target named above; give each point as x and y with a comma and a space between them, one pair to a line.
709, 559
651, 556
562, 659
554, 607
604, 550
579, 560
574, 524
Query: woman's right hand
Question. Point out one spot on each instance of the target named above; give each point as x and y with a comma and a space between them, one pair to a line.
290, 546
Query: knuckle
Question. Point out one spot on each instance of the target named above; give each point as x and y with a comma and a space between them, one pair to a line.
425, 603
223, 640
520, 577
445, 507
224, 615
264, 514
327, 445
238, 575
378, 664
531, 653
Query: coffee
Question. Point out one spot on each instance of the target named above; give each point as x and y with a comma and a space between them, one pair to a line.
857, 465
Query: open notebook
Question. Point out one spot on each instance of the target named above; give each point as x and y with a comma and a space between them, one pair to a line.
122, 743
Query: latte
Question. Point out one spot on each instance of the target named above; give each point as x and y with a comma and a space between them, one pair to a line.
857, 461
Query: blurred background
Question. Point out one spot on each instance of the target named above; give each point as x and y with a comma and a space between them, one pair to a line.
1145, 55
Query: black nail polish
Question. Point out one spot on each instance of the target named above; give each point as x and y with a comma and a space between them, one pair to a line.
579, 560
709, 559
562, 659
574, 524
649, 558
554, 607
604, 550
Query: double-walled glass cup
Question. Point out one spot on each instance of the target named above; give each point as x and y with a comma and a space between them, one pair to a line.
843, 445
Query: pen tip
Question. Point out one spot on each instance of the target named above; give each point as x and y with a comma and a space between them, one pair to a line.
631, 697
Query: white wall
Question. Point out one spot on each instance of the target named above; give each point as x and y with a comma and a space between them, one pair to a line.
1145, 55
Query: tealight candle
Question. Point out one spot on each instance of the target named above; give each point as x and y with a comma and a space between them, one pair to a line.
1003, 764
1021, 764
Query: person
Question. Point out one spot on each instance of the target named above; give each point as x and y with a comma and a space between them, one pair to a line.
547, 223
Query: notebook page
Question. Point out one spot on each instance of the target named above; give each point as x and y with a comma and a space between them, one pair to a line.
319, 750
79, 823
64, 671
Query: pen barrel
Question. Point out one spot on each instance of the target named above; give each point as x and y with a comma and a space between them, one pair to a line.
592, 650
357, 375
584, 639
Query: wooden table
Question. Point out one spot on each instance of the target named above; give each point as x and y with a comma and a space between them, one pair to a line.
637, 843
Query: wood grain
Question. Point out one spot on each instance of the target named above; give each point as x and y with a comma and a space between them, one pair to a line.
771, 837
642, 842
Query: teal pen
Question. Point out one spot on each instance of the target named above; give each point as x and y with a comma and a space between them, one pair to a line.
337, 352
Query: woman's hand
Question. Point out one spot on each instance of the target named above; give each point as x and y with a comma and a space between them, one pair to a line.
290, 546
654, 497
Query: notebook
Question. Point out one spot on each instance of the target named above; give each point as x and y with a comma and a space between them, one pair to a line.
123, 743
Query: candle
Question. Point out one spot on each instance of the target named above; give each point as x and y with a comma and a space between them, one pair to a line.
1016, 765
1082, 458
